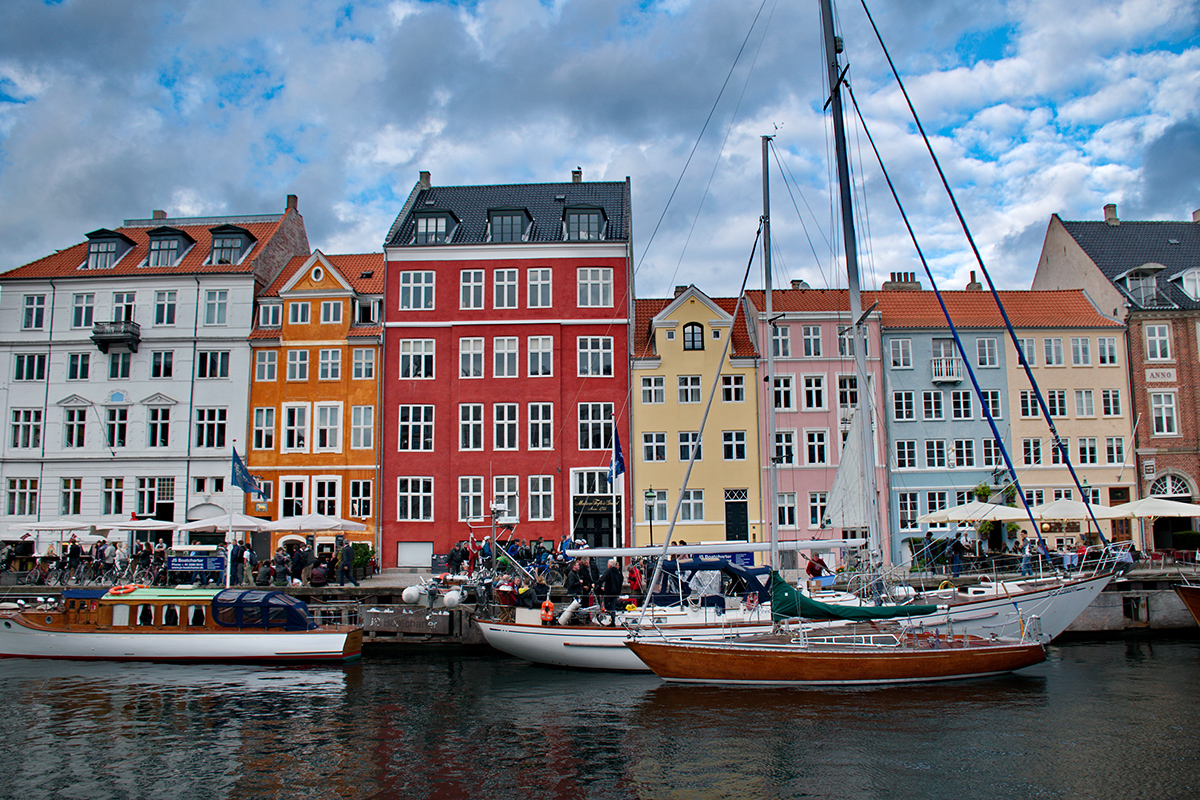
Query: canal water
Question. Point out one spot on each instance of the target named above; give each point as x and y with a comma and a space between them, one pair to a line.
1110, 719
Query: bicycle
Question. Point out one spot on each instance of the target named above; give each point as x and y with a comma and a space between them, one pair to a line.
34, 577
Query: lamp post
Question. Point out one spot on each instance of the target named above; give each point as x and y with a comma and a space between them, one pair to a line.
651, 496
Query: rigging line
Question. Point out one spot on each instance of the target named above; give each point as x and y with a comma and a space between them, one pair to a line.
787, 185
987, 411
700, 136
721, 149
1055, 438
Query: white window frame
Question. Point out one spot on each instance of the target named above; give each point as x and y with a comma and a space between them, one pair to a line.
541, 356
302, 414
414, 498
362, 427
506, 357
541, 426
540, 287
415, 423
594, 287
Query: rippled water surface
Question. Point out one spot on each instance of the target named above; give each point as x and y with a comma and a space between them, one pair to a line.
1104, 720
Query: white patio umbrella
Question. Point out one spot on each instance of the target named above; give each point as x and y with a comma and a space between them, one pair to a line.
69, 525
314, 522
223, 523
1071, 509
1150, 507
975, 511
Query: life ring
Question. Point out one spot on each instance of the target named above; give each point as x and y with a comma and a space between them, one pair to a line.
945, 585
751, 601
126, 589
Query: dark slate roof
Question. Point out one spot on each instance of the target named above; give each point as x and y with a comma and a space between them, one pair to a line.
1117, 249
470, 205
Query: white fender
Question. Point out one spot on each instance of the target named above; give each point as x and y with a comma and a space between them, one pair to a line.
411, 595
565, 617
453, 598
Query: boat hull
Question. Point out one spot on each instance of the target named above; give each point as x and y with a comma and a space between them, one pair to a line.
738, 663
1190, 595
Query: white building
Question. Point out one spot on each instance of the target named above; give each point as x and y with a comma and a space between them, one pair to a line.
127, 367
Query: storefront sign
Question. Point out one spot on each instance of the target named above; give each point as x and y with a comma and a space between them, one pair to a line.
1148, 468
593, 504
196, 564
1160, 375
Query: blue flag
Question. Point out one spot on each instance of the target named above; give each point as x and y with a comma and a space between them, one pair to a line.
242, 478
617, 465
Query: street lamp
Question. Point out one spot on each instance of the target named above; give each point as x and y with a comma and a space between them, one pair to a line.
651, 496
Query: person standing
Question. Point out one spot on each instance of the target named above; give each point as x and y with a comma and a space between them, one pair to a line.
346, 564
956, 555
1025, 547
611, 583
307, 561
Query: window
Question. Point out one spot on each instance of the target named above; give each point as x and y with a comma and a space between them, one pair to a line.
325, 497
164, 308
583, 226
416, 428
595, 426
329, 365
541, 497
116, 426
815, 442
504, 357
269, 315
328, 428
1114, 450
964, 452
689, 442
816, 508
688, 387
1081, 352
35, 312
595, 356
504, 493
1027, 349
112, 496
83, 307
1106, 348
22, 496
364, 364
991, 453
416, 358
906, 454
505, 295
29, 367
541, 426
295, 429
902, 406
907, 505
119, 365
654, 446
733, 445
414, 499
539, 287
985, 350
814, 392
1031, 450
1162, 411
1085, 406
692, 507
1158, 343
74, 424
1110, 402
656, 507
991, 401
595, 287
159, 433
470, 498
78, 366
653, 390
264, 429
785, 505
215, 302
470, 426
846, 343
431, 229
1056, 402
960, 405
847, 392
1088, 452
785, 447
26, 428
505, 422
298, 313
693, 336
812, 340
781, 341
1063, 494
72, 496
292, 502
1029, 405
360, 498
123, 306
226, 250
541, 355
416, 291
1053, 350
1035, 497
733, 389
331, 311
901, 353
102, 255
1056, 452
297, 366
265, 363
203, 486
210, 427
931, 403
935, 453
212, 364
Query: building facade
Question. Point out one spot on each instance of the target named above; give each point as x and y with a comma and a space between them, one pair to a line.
506, 315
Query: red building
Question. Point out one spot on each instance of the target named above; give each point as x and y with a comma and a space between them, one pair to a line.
505, 364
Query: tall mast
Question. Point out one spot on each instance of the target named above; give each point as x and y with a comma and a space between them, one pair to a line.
833, 46
773, 478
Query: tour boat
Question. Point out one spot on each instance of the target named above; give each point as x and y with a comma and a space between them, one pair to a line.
183, 624
1190, 595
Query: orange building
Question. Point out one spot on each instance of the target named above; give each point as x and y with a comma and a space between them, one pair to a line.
314, 393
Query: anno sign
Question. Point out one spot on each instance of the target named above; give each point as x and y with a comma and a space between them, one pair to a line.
1160, 375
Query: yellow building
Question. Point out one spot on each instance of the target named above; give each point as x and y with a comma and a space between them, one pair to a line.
677, 346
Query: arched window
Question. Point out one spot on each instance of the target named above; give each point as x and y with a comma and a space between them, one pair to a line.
693, 336
1191, 283
1170, 486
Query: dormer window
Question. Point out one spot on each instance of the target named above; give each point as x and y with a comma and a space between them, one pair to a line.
166, 245
366, 312
105, 248
1143, 288
229, 244
584, 225
270, 315
433, 229
508, 226
1191, 283
693, 336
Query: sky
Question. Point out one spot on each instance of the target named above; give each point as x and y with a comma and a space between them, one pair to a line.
110, 109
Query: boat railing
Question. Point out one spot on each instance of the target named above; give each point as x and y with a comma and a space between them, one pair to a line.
336, 613
880, 640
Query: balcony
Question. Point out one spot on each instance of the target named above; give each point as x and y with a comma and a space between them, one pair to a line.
119, 334
946, 370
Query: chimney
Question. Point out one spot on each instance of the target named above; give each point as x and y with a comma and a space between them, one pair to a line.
424, 183
902, 282
680, 290
1196, 215
293, 203
1110, 214
974, 285
577, 175
798, 284
160, 214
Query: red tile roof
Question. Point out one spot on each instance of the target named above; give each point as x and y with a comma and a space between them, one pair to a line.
352, 267
977, 309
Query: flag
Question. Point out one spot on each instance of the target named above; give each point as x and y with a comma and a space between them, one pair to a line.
242, 478
617, 465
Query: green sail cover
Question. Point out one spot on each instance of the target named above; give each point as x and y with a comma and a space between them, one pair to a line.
787, 602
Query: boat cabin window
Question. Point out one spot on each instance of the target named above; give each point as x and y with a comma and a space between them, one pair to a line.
171, 616
120, 614
145, 614
196, 616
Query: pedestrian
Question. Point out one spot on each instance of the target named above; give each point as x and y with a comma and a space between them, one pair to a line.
611, 584
281, 564
635, 578
956, 555
573, 585
346, 564
1025, 548
307, 561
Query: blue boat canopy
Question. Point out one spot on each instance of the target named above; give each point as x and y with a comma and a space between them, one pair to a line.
260, 608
